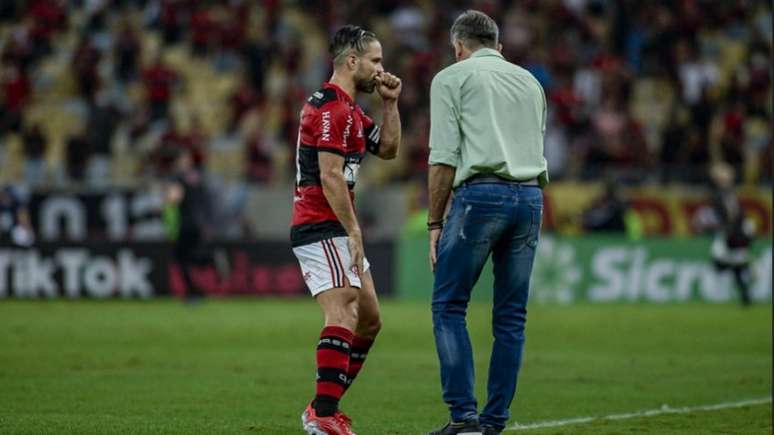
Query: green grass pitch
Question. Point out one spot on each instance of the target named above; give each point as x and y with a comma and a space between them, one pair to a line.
247, 367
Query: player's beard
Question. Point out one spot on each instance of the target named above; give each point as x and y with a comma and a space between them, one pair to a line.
365, 84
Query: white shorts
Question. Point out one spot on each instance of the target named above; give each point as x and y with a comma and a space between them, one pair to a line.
324, 265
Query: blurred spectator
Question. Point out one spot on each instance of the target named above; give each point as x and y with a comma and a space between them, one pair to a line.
255, 57
607, 213
231, 36
196, 141
127, 53
77, 153
18, 50
611, 213
203, 31
160, 81
16, 91
48, 16
618, 140
85, 63
258, 151
731, 123
15, 224
174, 141
696, 75
244, 99
101, 125
34, 153
629, 83
171, 20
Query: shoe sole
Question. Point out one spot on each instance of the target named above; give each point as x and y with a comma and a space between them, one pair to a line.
312, 429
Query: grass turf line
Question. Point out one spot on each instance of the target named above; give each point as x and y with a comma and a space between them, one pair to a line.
247, 367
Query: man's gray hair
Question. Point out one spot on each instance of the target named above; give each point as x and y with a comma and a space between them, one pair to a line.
475, 29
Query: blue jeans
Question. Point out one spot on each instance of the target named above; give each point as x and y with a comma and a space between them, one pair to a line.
502, 219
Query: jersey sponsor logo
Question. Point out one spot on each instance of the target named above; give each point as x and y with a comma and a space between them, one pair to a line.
326, 126
347, 129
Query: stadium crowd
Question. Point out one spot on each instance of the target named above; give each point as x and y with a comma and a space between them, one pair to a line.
106, 91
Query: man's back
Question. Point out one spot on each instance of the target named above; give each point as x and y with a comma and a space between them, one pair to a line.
499, 110
487, 118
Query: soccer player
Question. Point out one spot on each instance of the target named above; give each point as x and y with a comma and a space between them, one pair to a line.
333, 138
734, 232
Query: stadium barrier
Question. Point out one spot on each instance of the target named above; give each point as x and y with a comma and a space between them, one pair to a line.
664, 210
145, 270
605, 269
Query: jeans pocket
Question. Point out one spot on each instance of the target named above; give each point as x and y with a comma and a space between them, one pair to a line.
481, 220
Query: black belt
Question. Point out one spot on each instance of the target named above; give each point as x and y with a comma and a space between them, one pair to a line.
490, 178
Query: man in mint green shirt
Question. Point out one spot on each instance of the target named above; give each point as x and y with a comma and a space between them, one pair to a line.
487, 120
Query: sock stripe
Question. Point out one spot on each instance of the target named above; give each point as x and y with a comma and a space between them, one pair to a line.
332, 374
334, 342
329, 357
333, 347
330, 389
357, 356
328, 398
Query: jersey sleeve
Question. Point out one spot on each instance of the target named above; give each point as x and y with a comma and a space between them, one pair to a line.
335, 122
372, 134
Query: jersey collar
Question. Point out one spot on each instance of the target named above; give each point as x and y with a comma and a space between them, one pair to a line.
340, 92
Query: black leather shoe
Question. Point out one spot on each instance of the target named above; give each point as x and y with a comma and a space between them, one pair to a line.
486, 430
464, 428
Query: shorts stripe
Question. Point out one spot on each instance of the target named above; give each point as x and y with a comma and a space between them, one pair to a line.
339, 258
335, 278
336, 261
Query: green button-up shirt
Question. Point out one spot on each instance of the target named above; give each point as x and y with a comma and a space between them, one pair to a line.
488, 116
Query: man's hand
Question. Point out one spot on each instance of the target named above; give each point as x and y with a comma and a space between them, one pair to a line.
355, 245
435, 235
389, 86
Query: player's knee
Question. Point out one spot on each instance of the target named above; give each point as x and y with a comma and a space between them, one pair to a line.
369, 328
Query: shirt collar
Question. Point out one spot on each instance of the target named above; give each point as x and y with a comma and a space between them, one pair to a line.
339, 91
481, 52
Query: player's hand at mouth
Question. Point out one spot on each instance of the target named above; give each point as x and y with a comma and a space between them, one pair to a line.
388, 85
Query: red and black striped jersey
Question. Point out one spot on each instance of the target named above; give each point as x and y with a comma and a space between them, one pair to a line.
330, 122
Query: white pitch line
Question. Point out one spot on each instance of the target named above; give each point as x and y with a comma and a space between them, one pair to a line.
665, 409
